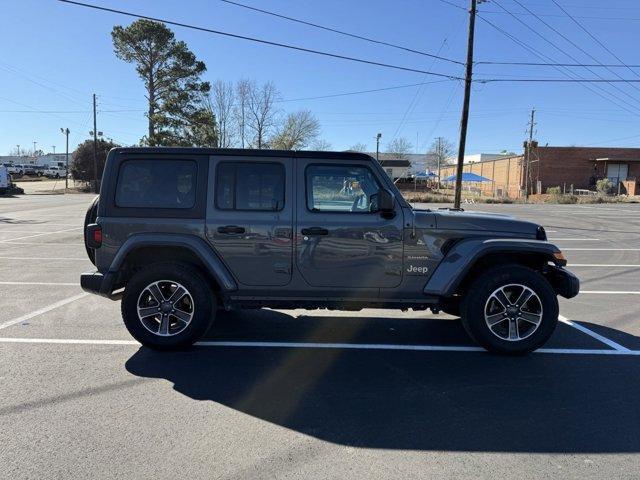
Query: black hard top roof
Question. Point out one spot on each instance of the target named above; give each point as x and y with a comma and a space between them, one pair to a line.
243, 152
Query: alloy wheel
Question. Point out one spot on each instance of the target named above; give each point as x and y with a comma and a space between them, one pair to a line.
165, 308
513, 312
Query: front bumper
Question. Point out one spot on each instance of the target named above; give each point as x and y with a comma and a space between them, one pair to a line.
565, 283
98, 284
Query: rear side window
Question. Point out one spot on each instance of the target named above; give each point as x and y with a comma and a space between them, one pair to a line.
250, 186
157, 184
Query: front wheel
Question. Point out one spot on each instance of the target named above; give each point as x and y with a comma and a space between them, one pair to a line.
510, 310
168, 306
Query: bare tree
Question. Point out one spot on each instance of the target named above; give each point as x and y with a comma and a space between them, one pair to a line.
399, 148
240, 111
297, 131
321, 145
262, 112
220, 101
358, 147
441, 149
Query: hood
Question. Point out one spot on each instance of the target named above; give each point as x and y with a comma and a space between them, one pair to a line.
476, 222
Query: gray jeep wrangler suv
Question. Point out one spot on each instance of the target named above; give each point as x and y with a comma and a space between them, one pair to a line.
179, 233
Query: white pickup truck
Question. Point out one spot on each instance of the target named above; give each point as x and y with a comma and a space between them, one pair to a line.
55, 172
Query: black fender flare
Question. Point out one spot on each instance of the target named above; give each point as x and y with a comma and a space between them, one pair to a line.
195, 244
453, 268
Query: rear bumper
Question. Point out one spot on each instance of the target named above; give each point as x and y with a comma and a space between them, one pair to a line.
565, 283
98, 284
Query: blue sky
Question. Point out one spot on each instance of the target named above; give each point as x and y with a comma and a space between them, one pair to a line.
55, 56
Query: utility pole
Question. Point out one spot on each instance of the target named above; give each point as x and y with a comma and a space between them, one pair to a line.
95, 147
465, 105
439, 157
54, 149
34, 148
65, 131
18, 150
528, 156
378, 136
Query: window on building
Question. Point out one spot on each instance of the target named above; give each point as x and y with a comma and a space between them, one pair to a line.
250, 186
156, 184
341, 188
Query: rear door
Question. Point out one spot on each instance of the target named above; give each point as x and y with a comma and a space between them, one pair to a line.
250, 217
340, 241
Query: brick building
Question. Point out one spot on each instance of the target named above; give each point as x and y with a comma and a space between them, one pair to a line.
562, 167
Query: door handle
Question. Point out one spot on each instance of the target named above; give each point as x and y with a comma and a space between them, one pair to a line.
231, 229
315, 231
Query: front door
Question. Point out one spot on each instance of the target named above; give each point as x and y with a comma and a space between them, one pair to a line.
341, 241
250, 217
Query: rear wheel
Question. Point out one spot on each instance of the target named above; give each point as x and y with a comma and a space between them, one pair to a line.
510, 310
168, 306
90, 217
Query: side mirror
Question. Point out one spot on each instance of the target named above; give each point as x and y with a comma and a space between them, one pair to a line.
383, 202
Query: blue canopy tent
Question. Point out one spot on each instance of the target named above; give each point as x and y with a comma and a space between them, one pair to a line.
468, 177
423, 176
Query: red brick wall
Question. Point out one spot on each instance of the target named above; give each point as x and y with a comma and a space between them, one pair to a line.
575, 165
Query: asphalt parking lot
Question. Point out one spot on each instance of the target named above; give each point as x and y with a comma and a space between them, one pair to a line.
315, 394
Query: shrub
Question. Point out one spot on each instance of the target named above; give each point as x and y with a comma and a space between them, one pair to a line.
567, 199
604, 186
554, 190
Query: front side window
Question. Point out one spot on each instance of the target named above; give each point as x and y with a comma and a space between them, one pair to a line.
341, 188
157, 184
250, 186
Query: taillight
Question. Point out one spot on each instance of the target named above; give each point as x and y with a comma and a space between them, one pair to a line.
97, 236
94, 236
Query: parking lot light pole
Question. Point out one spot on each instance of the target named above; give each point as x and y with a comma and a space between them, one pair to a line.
66, 131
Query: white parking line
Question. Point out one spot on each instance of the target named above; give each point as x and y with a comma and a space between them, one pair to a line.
67, 284
596, 265
40, 311
45, 259
341, 346
610, 292
40, 234
59, 244
574, 239
601, 249
591, 333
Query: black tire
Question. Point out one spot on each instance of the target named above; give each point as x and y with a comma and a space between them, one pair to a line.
203, 306
90, 217
477, 300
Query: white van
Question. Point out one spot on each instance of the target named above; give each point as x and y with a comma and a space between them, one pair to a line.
55, 172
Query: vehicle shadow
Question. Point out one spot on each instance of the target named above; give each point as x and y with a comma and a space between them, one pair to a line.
457, 401
15, 220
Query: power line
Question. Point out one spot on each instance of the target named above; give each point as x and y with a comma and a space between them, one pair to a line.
559, 80
259, 40
594, 37
414, 100
565, 53
542, 64
562, 35
341, 32
566, 73
362, 91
